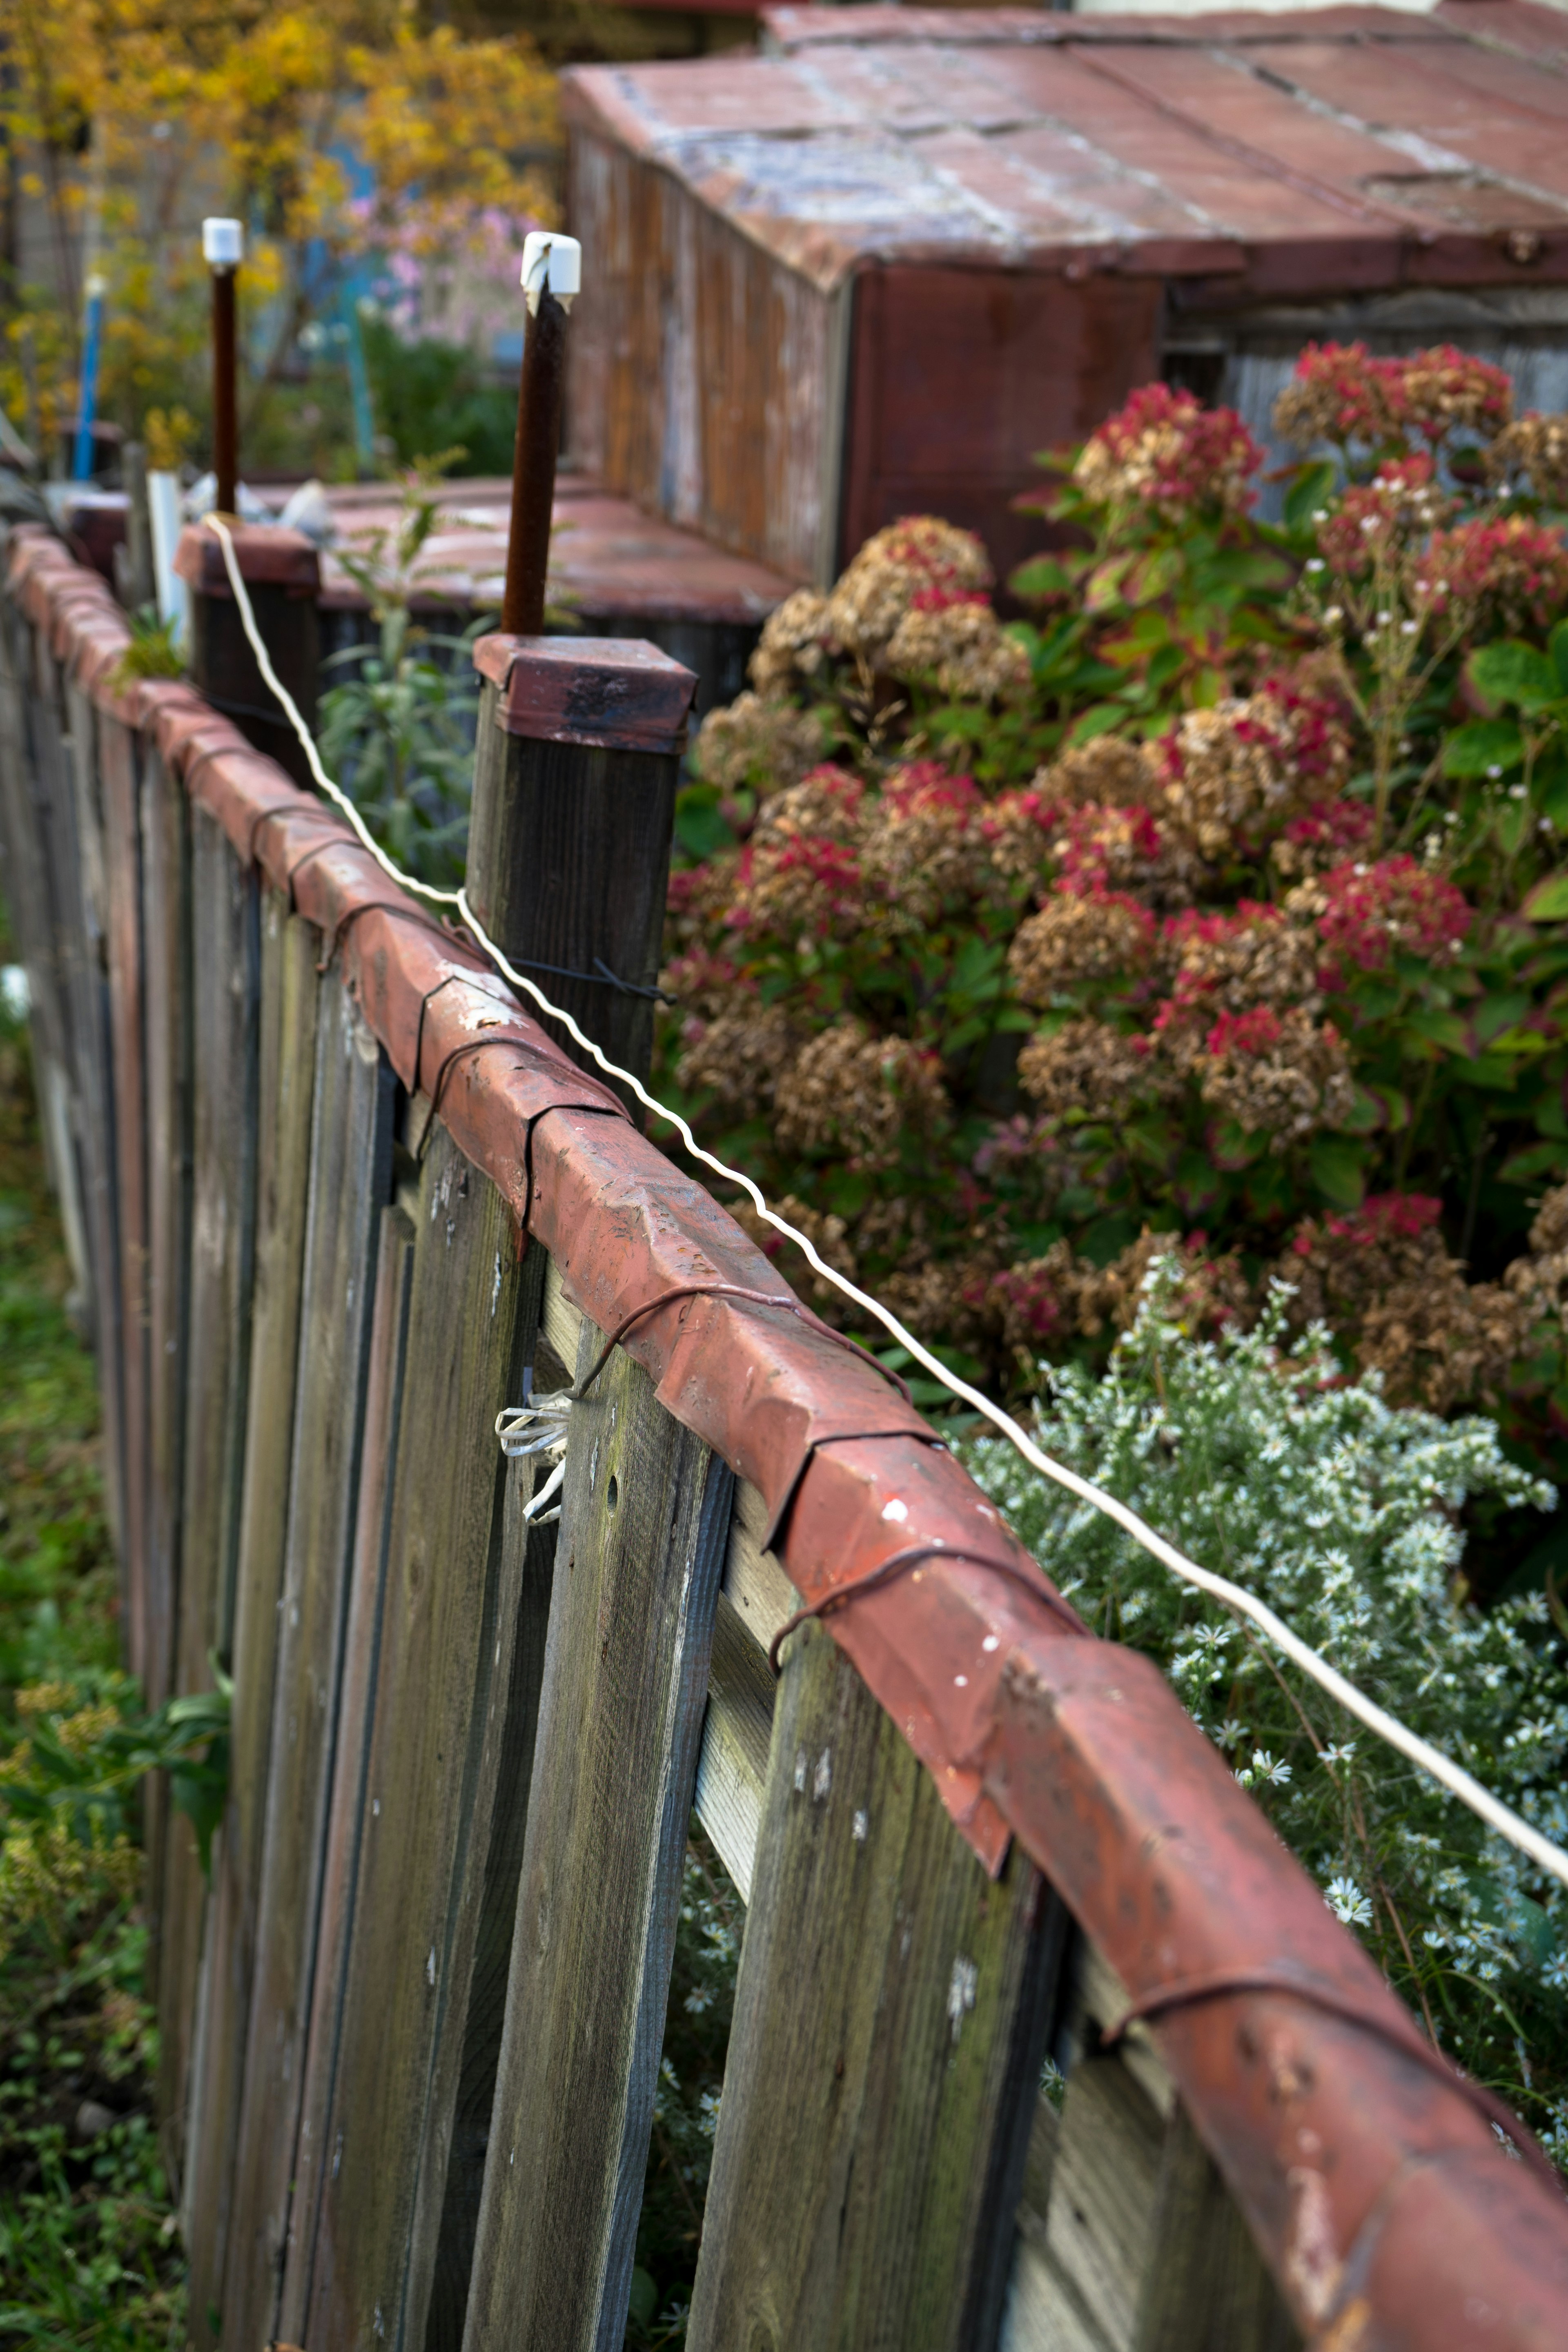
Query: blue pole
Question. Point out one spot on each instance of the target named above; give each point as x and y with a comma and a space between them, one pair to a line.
359, 381
87, 402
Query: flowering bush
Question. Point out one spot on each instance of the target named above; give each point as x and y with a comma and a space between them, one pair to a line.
1216, 905
1342, 1513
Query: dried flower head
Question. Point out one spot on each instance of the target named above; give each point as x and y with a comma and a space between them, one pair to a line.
1237, 772
1368, 913
1095, 935
1340, 392
958, 643
1233, 964
1168, 454
1087, 1065
1512, 572
739, 1053
1324, 835
799, 873
924, 847
1379, 520
1281, 1075
793, 646
1100, 849
1107, 768
768, 744
1537, 447
858, 1096
919, 557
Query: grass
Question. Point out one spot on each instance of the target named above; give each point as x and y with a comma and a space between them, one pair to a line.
89, 2251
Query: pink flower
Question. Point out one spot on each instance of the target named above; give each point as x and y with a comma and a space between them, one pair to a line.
1396, 904
1382, 1217
1517, 565
1166, 452
1243, 1033
1331, 826
1402, 498
926, 787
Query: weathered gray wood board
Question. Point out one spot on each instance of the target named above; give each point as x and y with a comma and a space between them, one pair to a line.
286, 1059
384, 1384
225, 975
426, 1773
166, 935
640, 1551
119, 794
1128, 2240
350, 1181
889, 2020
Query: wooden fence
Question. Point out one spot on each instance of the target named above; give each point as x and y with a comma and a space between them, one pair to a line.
411, 2030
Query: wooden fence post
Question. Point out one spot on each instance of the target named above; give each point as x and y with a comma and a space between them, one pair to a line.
574, 775
282, 570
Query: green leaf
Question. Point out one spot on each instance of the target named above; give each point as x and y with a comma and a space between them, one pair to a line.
1557, 647
1338, 1170
1041, 577
1512, 672
1483, 745
1104, 587
1365, 1116
1548, 902
1536, 1160
1445, 1029
1313, 486
1153, 576
699, 827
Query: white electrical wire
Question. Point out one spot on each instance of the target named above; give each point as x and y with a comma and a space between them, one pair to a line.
1453, 1776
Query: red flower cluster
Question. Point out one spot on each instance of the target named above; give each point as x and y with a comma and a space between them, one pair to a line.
1340, 392
1374, 909
1035, 1299
1331, 827
1517, 566
1401, 498
1166, 451
1382, 1217
926, 786
1098, 845
1243, 1033
939, 598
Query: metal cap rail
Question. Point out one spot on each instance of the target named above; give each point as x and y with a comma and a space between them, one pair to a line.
1385, 2207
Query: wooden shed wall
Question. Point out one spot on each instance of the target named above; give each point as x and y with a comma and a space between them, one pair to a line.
702, 370
959, 376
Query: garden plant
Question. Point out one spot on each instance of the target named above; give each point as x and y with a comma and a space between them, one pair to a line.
1160, 1001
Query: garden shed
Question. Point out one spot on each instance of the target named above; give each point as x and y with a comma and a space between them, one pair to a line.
875, 268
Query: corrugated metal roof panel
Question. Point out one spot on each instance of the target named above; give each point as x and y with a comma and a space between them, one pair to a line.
1362, 144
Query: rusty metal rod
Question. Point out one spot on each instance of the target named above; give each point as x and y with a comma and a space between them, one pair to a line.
226, 426
534, 455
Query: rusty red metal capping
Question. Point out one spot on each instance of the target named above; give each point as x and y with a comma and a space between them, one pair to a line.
1381, 2198
620, 693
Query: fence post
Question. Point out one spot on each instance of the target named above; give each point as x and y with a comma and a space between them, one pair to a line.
282, 570
574, 775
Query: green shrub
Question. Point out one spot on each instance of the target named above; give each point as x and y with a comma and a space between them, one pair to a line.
428, 394
1261, 1461
1221, 901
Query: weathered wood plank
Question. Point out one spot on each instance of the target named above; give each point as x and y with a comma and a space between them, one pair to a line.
643, 1527
392, 2022
286, 1059
225, 951
1206, 2287
120, 793
385, 1387
350, 1181
889, 2020
166, 914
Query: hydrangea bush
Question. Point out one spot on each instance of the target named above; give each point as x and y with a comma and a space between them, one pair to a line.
1220, 903
1258, 1457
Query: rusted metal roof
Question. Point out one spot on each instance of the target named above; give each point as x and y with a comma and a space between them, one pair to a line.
607, 554
1378, 2192
1347, 147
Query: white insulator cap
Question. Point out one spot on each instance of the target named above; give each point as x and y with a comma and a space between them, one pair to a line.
223, 243
550, 259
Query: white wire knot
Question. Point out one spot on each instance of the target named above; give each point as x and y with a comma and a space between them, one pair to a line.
538, 1428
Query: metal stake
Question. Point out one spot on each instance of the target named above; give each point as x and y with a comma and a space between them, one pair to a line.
222, 248
552, 269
